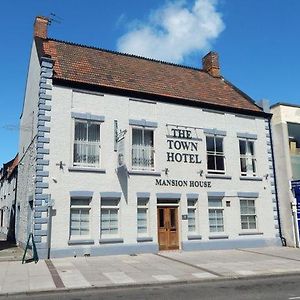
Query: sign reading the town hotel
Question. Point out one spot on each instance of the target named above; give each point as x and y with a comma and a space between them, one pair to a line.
182, 147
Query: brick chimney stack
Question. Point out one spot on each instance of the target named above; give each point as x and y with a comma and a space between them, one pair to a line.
41, 27
210, 63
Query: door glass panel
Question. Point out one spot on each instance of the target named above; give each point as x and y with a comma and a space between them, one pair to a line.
172, 217
161, 218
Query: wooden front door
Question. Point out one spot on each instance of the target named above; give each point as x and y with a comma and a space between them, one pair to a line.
167, 228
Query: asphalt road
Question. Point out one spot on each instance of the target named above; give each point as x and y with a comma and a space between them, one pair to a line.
279, 287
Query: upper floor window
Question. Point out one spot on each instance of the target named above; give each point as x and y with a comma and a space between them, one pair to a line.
247, 157
142, 149
215, 155
86, 143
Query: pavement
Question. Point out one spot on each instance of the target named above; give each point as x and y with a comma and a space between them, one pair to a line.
145, 269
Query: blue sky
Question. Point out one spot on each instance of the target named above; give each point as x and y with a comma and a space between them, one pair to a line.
257, 40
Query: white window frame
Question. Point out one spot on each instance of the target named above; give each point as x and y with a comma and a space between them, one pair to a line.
192, 204
143, 168
216, 209
86, 164
85, 207
215, 154
116, 207
247, 215
249, 157
143, 203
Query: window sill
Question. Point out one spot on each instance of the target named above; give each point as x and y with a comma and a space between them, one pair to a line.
194, 237
81, 242
86, 169
111, 241
250, 233
218, 237
251, 178
218, 176
144, 239
144, 172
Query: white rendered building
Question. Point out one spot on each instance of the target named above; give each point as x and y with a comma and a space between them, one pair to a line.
136, 155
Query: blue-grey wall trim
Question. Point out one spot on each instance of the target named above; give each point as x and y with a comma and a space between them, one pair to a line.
143, 123
192, 196
248, 195
214, 131
143, 195
168, 195
144, 239
116, 249
194, 237
81, 242
246, 135
218, 176
111, 241
87, 116
251, 178
81, 194
230, 244
111, 195
86, 170
215, 194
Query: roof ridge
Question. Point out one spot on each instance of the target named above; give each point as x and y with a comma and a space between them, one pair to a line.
126, 54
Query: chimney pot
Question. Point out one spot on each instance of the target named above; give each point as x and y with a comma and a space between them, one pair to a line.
41, 27
210, 63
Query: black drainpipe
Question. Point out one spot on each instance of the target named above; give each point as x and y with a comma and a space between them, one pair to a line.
283, 240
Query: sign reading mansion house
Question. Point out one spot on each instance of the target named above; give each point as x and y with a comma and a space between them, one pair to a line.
133, 155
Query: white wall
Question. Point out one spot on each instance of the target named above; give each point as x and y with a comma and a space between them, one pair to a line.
65, 101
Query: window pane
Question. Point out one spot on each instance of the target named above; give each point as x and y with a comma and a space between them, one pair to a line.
137, 137
211, 162
253, 166
210, 144
148, 137
242, 144
215, 202
219, 144
220, 163
93, 132
251, 147
80, 131
243, 165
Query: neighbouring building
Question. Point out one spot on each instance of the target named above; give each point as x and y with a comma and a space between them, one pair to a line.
128, 155
8, 190
286, 139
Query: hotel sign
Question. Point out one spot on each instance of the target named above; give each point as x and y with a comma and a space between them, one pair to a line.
183, 146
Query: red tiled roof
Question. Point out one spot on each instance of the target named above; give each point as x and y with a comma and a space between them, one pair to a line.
88, 65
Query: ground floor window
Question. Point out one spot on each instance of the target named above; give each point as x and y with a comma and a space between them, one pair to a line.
142, 216
80, 217
109, 217
216, 216
192, 215
248, 214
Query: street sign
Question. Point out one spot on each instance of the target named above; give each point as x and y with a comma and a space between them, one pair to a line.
295, 183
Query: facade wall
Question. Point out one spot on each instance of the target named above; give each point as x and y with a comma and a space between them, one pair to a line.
27, 151
281, 116
64, 178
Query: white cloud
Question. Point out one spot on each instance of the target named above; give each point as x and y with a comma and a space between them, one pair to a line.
174, 31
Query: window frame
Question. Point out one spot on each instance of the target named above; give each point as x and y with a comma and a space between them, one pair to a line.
145, 206
116, 207
215, 209
248, 156
247, 215
143, 128
85, 207
81, 164
215, 154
